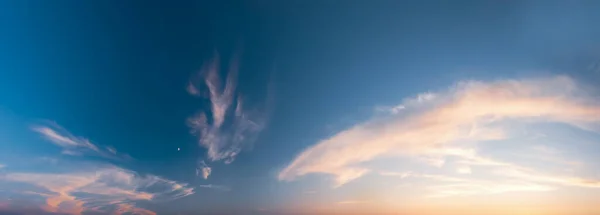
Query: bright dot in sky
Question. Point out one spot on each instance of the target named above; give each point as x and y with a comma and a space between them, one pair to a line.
178, 149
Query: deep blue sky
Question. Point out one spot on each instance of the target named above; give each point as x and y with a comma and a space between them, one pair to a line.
116, 72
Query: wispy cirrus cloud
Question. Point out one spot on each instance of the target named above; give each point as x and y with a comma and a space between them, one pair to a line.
217, 187
351, 202
131, 209
74, 145
474, 187
425, 126
228, 127
501, 177
99, 188
104, 190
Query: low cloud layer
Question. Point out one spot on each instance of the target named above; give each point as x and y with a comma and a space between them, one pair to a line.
94, 187
106, 190
73, 145
228, 127
501, 177
427, 126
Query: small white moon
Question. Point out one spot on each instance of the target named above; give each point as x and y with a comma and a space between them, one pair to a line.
178, 149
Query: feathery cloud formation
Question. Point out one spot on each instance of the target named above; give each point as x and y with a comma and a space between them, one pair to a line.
98, 189
217, 187
73, 145
104, 190
423, 127
228, 127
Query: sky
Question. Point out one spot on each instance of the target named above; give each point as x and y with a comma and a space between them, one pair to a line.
299, 107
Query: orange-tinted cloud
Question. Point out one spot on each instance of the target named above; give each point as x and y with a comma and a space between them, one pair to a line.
428, 123
109, 186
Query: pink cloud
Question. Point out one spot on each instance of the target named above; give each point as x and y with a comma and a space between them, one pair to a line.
112, 185
432, 121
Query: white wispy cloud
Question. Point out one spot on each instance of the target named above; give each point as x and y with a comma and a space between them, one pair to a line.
228, 127
482, 188
63, 138
397, 174
515, 171
74, 145
217, 187
100, 190
530, 175
348, 202
507, 177
2, 166
111, 150
447, 186
467, 112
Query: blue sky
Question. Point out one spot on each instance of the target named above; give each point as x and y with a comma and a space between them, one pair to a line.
190, 107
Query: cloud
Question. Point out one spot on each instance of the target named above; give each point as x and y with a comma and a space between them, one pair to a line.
2, 166
206, 172
204, 169
464, 170
111, 150
73, 145
530, 175
446, 186
482, 188
192, 90
504, 177
514, 171
398, 174
228, 127
217, 187
100, 190
391, 110
129, 208
65, 140
467, 112
351, 202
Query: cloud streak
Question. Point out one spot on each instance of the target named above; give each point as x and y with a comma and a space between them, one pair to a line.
74, 145
100, 190
351, 202
217, 187
427, 124
228, 127
504, 177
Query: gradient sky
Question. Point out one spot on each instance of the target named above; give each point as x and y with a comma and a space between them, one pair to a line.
296, 107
